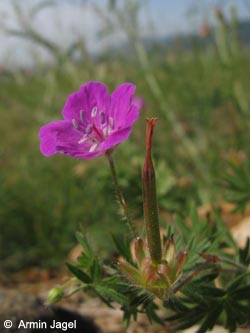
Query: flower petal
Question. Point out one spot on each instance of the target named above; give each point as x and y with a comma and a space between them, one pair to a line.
48, 134
116, 138
121, 100
132, 115
90, 95
138, 102
79, 152
58, 133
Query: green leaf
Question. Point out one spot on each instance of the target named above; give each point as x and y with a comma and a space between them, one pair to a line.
235, 283
126, 318
192, 243
196, 223
213, 314
123, 247
191, 319
242, 294
95, 270
82, 276
152, 315
209, 291
112, 294
245, 253
110, 280
206, 278
140, 296
85, 261
82, 240
231, 322
191, 291
237, 185
182, 224
224, 230
175, 304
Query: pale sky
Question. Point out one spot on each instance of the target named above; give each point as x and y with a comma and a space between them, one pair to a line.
68, 20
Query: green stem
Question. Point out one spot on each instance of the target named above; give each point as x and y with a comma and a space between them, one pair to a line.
233, 263
119, 194
189, 276
74, 291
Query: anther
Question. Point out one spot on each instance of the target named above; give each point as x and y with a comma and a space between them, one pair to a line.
102, 117
94, 112
89, 129
82, 115
75, 124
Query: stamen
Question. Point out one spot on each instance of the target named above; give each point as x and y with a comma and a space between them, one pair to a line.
75, 124
102, 117
93, 147
88, 129
111, 122
82, 115
105, 131
83, 139
94, 112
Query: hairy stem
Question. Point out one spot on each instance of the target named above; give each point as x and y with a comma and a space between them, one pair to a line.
119, 194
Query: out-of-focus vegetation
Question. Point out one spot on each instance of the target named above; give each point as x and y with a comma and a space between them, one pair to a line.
201, 98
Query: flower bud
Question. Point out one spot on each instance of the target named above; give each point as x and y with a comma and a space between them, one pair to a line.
140, 249
145, 262
169, 251
130, 271
181, 258
149, 273
164, 270
55, 295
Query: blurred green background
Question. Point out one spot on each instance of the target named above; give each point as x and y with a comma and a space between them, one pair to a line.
196, 81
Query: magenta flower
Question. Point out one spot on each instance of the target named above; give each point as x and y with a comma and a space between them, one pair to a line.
94, 122
139, 102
